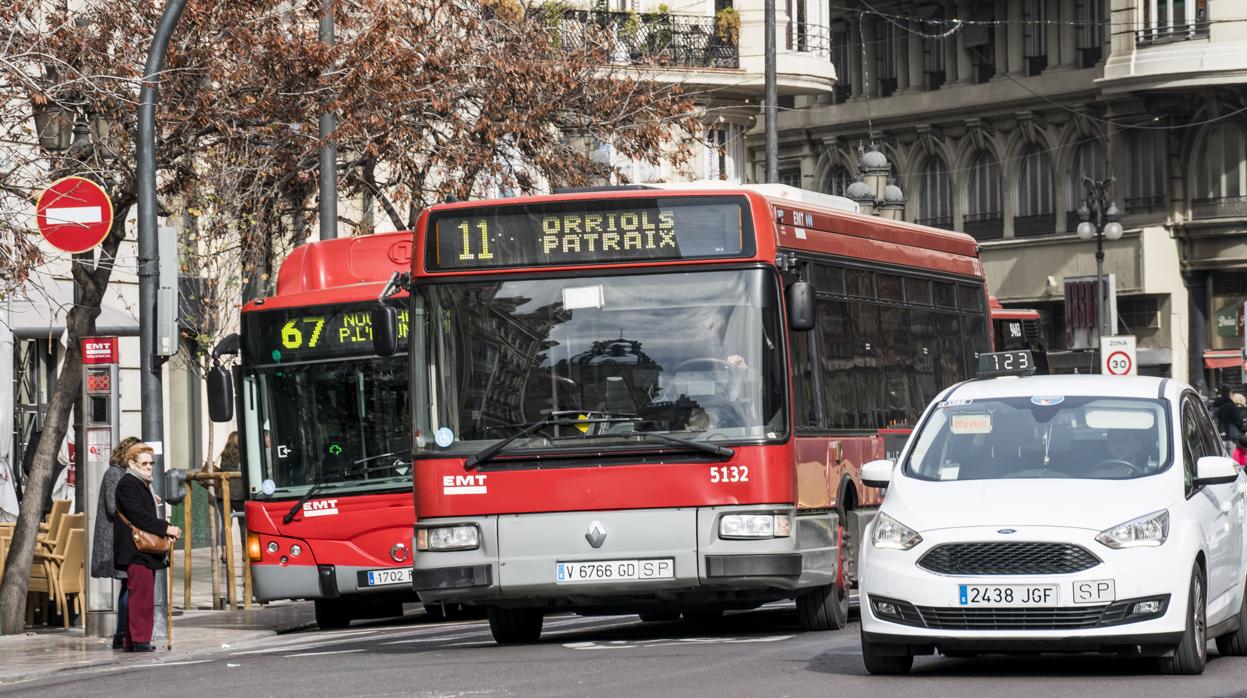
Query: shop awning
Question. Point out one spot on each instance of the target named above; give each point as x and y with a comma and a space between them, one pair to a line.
1223, 358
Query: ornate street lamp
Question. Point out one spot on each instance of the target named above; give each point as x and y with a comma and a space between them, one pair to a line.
875, 191
53, 125
1100, 221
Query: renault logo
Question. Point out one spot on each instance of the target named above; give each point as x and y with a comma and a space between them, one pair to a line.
596, 534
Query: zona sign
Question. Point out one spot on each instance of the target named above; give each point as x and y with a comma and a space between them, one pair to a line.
74, 214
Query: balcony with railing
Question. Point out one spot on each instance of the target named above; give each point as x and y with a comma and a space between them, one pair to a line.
656, 39
988, 225
1163, 33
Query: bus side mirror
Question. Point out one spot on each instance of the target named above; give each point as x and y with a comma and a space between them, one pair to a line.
801, 306
220, 394
384, 330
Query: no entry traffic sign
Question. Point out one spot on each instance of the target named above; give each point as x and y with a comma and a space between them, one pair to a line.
1119, 356
74, 214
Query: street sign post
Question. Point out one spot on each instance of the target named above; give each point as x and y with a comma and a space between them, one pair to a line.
1118, 356
74, 214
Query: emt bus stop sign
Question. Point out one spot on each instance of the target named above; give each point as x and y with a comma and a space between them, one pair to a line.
1118, 356
74, 214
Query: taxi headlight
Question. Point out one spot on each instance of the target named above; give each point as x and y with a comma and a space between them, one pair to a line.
890, 534
1147, 531
444, 538
755, 526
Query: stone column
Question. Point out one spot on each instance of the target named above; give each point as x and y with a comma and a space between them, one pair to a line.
1069, 33
961, 54
1001, 36
1196, 282
855, 64
902, 46
870, 67
1017, 39
917, 77
1053, 30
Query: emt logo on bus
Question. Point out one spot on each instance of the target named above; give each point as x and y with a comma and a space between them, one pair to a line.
320, 507
463, 484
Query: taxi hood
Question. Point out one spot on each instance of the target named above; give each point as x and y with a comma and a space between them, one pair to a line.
1075, 503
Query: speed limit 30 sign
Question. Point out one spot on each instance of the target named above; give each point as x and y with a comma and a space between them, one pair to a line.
1118, 356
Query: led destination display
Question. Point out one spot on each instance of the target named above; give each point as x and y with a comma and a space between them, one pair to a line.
589, 232
311, 333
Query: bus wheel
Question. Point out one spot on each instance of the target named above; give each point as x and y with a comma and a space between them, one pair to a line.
659, 616
332, 615
512, 626
824, 608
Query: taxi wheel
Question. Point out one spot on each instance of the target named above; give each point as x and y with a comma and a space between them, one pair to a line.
332, 615
512, 626
1191, 653
884, 664
1235, 644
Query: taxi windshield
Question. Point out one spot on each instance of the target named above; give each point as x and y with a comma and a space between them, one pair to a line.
1042, 437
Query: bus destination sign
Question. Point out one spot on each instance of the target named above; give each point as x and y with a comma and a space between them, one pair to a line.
313, 333
589, 232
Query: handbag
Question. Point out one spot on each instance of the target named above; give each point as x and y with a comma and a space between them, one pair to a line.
146, 541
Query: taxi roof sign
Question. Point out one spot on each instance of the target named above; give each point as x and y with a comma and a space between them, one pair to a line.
1018, 362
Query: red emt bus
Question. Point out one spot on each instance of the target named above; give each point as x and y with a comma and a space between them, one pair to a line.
657, 400
325, 430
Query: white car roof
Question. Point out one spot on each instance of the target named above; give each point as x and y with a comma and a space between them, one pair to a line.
1027, 386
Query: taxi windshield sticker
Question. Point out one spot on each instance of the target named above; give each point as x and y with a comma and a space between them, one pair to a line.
972, 424
947, 404
1047, 400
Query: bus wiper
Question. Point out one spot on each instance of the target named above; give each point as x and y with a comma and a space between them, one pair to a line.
559, 418
316, 487
721, 452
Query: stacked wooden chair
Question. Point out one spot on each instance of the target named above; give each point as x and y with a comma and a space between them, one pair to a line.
59, 566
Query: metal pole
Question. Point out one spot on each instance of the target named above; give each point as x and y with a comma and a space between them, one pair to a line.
1101, 313
150, 388
771, 99
329, 153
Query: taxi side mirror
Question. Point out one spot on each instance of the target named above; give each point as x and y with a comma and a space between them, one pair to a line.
800, 306
877, 473
1215, 470
384, 330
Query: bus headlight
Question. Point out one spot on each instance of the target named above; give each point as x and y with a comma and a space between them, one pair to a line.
747, 526
444, 538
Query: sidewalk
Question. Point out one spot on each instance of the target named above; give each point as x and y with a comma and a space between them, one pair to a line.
43, 651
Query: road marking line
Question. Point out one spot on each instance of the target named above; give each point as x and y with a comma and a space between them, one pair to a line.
318, 654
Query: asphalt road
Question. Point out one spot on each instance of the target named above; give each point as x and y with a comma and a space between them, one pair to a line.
755, 653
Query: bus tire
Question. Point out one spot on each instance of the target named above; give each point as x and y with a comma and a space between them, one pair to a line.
511, 626
659, 616
823, 608
332, 615
883, 663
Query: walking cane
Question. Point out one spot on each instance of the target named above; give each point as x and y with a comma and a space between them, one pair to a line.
169, 599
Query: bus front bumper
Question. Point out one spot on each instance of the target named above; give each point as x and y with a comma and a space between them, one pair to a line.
521, 558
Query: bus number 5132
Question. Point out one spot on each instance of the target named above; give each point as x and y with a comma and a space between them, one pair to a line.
729, 473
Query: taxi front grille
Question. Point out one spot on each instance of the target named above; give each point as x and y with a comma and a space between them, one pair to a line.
1008, 558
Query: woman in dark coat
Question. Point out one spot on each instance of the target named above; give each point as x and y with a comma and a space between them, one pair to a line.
102, 540
137, 503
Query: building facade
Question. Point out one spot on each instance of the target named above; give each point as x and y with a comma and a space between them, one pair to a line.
992, 114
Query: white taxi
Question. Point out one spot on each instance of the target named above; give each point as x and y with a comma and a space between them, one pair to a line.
1057, 513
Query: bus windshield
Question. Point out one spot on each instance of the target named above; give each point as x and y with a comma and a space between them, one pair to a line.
694, 353
343, 423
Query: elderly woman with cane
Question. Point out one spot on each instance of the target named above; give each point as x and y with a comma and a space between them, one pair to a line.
137, 537
102, 540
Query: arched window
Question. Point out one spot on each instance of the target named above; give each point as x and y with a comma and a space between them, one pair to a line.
935, 195
837, 181
1036, 194
1089, 163
1221, 169
984, 199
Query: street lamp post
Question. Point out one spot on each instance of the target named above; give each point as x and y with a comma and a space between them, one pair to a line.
1099, 220
875, 191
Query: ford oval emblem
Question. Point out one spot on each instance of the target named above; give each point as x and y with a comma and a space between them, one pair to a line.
1006, 531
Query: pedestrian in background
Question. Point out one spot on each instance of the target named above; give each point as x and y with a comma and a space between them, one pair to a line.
1232, 419
102, 540
137, 508
230, 461
1240, 452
